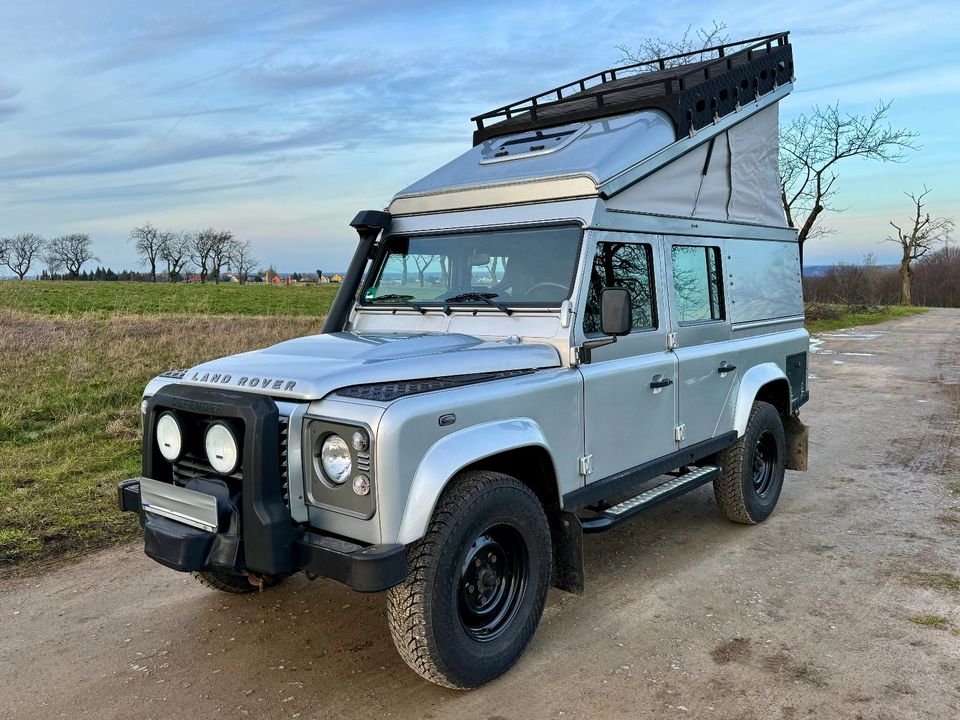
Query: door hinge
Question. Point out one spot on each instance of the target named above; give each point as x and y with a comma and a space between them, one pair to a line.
586, 465
680, 433
671, 341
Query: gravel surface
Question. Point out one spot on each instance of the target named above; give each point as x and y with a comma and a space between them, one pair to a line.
844, 604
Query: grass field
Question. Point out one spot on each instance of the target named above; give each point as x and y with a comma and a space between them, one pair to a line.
74, 358
58, 298
822, 318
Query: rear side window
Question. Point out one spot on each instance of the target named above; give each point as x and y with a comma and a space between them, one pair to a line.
626, 265
696, 283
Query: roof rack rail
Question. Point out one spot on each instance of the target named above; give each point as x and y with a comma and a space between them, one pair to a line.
694, 88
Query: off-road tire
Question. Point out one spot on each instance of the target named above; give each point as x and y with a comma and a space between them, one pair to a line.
735, 490
230, 582
425, 611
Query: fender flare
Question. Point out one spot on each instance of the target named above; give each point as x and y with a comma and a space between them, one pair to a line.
750, 384
452, 453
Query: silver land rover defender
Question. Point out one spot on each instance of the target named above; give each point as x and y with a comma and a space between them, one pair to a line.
594, 309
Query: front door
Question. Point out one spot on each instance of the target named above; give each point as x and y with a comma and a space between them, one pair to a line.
706, 354
629, 387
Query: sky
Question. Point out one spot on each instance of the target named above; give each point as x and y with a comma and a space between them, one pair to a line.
279, 121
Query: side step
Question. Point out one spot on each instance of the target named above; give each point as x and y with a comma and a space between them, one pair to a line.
609, 517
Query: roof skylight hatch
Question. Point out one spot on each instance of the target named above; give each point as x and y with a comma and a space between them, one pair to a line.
530, 144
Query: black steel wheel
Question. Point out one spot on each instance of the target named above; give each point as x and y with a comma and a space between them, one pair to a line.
749, 485
493, 580
765, 456
477, 582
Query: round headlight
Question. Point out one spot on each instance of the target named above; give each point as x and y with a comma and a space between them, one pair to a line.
169, 436
223, 452
335, 459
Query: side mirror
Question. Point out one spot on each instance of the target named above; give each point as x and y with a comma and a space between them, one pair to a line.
616, 311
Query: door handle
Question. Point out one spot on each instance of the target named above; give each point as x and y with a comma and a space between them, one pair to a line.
726, 368
657, 384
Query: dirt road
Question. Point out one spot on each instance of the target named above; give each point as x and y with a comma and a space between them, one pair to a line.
813, 614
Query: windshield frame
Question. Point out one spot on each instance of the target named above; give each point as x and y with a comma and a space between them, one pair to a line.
373, 273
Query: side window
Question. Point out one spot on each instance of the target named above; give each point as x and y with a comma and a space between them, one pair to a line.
696, 283
626, 265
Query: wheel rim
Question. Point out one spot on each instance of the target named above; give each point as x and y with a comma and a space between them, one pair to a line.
764, 462
493, 579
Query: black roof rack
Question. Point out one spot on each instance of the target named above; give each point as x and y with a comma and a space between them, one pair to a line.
694, 88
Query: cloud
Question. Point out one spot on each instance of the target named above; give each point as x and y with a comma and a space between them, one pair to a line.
8, 91
163, 189
54, 162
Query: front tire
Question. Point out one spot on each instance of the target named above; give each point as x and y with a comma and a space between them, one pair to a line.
749, 486
477, 582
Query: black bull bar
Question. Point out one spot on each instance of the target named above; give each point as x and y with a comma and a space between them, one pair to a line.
255, 532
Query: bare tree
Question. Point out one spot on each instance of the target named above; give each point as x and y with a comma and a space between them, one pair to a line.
811, 147
69, 252
201, 246
242, 261
698, 40
219, 253
423, 262
149, 243
176, 252
916, 240
20, 251
221, 243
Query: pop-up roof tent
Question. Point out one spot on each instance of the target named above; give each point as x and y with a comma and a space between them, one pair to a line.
692, 135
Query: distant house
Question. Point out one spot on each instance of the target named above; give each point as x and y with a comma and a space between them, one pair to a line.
277, 280
324, 280
193, 277
337, 278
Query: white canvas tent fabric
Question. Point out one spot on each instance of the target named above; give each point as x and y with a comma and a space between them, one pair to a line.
741, 183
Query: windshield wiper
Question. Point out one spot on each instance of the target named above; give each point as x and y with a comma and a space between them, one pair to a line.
391, 297
396, 299
468, 297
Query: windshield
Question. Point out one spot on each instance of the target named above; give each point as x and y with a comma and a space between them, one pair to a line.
532, 267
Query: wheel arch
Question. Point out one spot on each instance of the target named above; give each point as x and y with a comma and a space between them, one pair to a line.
515, 447
766, 382
477, 446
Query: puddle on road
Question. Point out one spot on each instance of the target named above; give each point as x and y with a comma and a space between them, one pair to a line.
852, 335
816, 345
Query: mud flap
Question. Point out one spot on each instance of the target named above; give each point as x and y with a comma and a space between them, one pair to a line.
568, 554
798, 436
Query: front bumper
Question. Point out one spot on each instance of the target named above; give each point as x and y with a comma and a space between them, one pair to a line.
365, 568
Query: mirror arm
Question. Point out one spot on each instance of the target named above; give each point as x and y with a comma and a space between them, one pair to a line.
584, 351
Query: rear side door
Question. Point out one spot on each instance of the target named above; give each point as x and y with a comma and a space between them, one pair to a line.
703, 347
629, 387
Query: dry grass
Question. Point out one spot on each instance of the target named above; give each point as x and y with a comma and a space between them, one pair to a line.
942, 581
932, 621
69, 415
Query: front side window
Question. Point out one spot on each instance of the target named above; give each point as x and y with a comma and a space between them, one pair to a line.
512, 267
626, 265
696, 283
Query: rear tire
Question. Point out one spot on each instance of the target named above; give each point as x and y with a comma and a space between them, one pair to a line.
752, 477
231, 582
477, 582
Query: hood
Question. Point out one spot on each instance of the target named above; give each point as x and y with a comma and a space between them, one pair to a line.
311, 367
